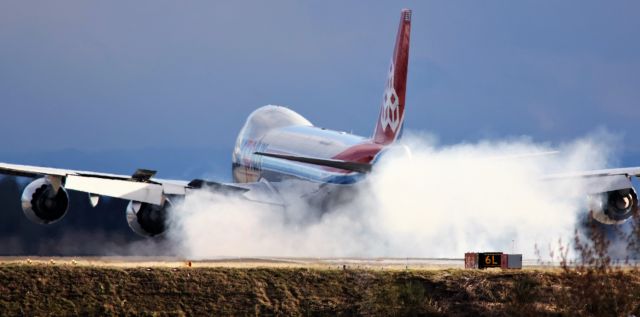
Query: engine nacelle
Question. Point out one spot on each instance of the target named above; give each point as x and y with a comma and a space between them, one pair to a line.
146, 219
42, 204
614, 207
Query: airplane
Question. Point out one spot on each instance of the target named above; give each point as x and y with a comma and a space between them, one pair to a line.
277, 149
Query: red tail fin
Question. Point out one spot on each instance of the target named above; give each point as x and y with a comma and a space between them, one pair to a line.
390, 121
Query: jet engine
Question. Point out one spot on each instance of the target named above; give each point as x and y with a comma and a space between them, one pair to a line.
614, 207
42, 203
146, 219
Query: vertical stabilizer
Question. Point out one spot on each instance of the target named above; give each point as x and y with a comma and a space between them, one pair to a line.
391, 119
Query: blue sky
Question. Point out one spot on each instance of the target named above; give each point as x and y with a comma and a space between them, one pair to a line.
118, 76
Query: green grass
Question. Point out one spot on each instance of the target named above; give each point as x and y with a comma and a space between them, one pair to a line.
44, 289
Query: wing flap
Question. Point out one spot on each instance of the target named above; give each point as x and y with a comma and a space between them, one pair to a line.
130, 190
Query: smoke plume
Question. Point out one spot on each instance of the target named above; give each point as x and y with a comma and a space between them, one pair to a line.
421, 200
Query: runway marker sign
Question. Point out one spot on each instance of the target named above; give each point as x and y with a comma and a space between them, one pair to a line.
489, 259
483, 260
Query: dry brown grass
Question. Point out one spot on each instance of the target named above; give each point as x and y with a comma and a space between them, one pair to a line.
45, 289
590, 282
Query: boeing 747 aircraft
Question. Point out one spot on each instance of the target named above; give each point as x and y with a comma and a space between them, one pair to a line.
278, 148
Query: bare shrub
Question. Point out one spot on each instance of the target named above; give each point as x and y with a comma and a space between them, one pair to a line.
592, 284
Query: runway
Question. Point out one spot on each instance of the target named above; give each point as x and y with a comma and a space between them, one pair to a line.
252, 262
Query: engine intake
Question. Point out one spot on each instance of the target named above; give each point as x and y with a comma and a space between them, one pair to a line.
146, 219
42, 204
614, 207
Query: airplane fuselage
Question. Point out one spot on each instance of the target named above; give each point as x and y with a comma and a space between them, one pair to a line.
276, 129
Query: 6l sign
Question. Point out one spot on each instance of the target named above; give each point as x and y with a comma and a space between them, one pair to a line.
489, 259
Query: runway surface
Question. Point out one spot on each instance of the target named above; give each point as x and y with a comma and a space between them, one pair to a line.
250, 262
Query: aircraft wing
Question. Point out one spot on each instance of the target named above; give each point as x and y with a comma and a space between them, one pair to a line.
599, 181
625, 171
140, 186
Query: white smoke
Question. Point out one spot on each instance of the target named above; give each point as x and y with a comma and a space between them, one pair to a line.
439, 201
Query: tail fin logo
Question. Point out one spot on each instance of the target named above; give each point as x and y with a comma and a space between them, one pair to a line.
389, 126
390, 115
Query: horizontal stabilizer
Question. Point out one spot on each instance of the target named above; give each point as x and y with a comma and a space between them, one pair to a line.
344, 165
